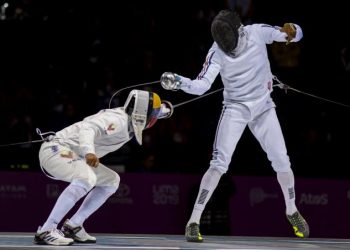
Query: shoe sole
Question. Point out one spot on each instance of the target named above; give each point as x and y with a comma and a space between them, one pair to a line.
85, 242
45, 243
189, 239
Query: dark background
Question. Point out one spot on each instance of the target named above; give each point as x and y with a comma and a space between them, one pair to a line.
62, 60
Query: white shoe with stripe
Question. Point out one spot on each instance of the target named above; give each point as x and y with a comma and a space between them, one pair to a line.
52, 237
77, 233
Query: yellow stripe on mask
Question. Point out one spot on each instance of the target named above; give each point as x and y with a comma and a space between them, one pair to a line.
156, 101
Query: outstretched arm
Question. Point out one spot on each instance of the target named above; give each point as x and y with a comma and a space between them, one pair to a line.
201, 84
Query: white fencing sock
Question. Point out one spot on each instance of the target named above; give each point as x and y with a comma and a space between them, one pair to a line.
91, 203
209, 182
70, 195
286, 181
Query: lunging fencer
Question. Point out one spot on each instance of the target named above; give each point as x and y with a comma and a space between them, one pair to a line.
239, 54
72, 155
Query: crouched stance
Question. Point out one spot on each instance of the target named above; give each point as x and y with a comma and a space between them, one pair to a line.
72, 155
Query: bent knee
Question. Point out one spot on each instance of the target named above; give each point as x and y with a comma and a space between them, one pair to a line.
89, 178
115, 181
281, 165
222, 170
83, 183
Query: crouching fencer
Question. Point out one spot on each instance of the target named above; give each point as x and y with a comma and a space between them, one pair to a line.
240, 55
72, 155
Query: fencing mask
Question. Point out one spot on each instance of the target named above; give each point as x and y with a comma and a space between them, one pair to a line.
224, 30
143, 108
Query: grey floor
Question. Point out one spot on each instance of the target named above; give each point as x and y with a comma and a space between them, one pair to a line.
12, 241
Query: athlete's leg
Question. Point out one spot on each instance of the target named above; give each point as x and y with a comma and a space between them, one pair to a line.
65, 202
65, 165
266, 128
229, 130
107, 184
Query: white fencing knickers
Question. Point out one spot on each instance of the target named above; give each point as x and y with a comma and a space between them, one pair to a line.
64, 164
262, 122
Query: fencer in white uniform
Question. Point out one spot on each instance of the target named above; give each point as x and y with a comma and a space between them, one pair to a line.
72, 155
239, 54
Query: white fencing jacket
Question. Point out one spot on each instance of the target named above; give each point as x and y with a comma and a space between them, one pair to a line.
247, 76
100, 134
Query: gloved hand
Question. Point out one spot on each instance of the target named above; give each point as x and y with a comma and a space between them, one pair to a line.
92, 160
290, 30
166, 110
170, 81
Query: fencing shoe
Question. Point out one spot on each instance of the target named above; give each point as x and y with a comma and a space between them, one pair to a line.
77, 233
300, 226
192, 233
52, 237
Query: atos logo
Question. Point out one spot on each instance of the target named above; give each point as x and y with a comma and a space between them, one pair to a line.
314, 199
